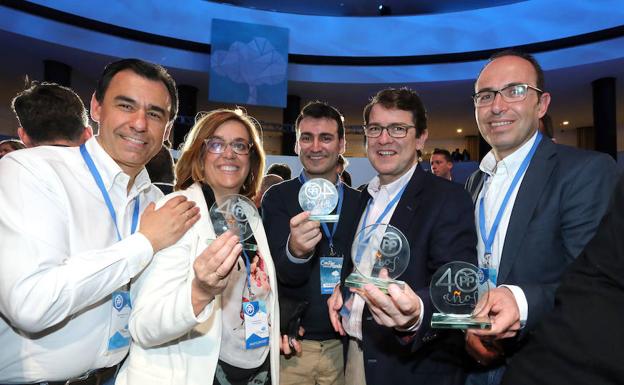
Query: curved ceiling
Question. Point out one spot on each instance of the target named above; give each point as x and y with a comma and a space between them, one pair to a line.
422, 48
366, 7
515, 24
439, 54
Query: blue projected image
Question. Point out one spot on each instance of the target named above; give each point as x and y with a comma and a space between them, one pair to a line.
248, 63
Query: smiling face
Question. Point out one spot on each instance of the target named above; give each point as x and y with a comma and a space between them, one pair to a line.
225, 173
133, 119
392, 157
318, 147
507, 126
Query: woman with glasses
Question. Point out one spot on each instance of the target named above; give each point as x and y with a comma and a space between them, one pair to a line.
190, 322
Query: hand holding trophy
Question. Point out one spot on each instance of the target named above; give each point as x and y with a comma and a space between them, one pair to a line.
459, 290
237, 214
380, 254
320, 197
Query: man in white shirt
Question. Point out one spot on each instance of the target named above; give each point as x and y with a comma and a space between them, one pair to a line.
69, 246
391, 341
50, 114
536, 206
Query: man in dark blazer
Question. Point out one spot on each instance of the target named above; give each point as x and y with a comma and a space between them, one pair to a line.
548, 199
579, 343
305, 250
391, 341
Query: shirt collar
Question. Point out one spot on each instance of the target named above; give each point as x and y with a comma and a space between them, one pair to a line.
508, 165
110, 171
393, 187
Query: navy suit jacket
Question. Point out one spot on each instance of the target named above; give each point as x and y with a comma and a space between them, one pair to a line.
580, 342
437, 218
564, 193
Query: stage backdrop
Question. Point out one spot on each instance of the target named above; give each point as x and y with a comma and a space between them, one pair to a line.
248, 63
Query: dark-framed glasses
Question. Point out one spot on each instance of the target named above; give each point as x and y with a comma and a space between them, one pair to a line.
510, 94
395, 130
218, 146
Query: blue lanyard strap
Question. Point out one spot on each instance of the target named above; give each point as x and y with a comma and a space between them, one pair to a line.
98, 180
488, 241
329, 235
390, 205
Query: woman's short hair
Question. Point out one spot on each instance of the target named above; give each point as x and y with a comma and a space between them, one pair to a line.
190, 166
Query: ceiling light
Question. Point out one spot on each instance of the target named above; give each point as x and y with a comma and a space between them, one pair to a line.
565, 122
459, 130
384, 10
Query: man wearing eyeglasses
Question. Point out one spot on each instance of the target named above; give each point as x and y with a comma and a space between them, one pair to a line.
308, 254
390, 341
536, 206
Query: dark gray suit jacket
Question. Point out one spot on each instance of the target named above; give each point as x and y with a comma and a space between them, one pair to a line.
560, 201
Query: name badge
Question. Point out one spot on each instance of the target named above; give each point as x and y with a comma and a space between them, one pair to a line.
330, 273
118, 334
256, 324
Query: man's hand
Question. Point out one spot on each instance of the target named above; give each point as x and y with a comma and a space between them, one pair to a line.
290, 346
304, 235
484, 350
334, 304
212, 269
163, 227
504, 313
400, 309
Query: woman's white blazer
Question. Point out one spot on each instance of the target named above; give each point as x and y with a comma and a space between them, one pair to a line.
170, 344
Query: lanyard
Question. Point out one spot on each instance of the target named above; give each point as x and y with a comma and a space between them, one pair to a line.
488, 241
389, 206
329, 235
98, 180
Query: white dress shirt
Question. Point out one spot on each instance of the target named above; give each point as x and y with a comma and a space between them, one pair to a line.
499, 177
60, 260
381, 196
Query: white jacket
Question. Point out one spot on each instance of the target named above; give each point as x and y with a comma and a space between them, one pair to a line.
171, 345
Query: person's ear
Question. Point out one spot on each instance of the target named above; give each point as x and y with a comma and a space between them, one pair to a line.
24, 137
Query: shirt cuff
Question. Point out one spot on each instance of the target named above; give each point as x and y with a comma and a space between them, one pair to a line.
139, 251
294, 259
521, 301
415, 326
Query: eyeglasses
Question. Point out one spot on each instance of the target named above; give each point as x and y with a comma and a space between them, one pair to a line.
510, 94
218, 146
395, 130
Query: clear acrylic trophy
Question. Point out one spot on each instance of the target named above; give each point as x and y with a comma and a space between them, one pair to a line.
237, 214
459, 290
380, 254
320, 197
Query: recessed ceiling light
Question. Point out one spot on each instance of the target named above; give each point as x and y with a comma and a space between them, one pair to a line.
565, 122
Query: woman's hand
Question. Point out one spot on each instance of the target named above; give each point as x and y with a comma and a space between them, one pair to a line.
212, 269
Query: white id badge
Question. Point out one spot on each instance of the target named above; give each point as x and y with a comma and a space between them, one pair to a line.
256, 324
118, 334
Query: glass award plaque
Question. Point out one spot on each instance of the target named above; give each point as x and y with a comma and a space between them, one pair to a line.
237, 214
320, 197
380, 254
459, 290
